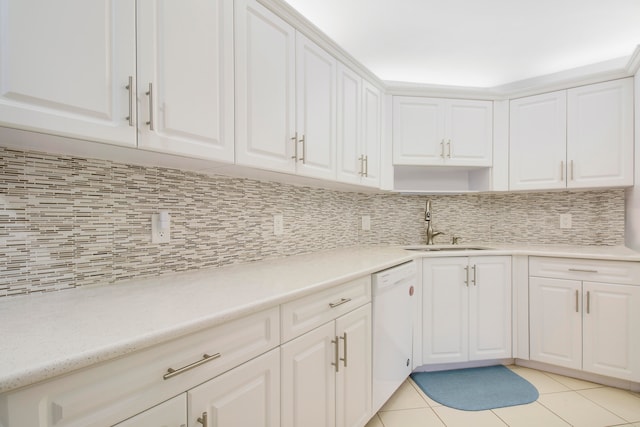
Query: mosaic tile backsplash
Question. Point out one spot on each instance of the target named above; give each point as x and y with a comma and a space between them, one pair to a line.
68, 222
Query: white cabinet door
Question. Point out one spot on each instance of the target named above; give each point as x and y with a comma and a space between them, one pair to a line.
315, 110
309, 379
445, 310
172, 413
469, 132
611, 343
418, 131
538, 142
555, 321
185, 78
265, 88
600, 134
248, 395
349, 109
66, 66
490, 308
353, 379
371, 133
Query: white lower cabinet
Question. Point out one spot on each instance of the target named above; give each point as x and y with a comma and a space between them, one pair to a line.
585, 325
172, 413
466, 311
326, 374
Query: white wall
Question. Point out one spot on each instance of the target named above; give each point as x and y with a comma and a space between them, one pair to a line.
632, 222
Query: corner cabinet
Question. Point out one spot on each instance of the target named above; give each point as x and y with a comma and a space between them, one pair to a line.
466, 311
68, 68
585, 315
359, 129
285, 96
442, 132
576, 138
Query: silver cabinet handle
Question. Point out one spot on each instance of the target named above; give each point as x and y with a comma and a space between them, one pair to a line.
150, 93
344, 359
577, 307
562, 170
466, 282
203, 419
336, 354
366, 166
588, 302
129, 87
205, 358
580, 270
342, 301
361, 160
295, 146
442, 148
571, 170
475, 275
304, 150
449, 149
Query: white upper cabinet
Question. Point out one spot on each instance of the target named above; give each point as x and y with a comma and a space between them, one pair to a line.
185, 78
442, 132
600, 135
65, 67
578, 138
538, 134
285, 96
359, 129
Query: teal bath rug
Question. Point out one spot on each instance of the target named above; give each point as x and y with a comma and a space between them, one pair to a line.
476, 389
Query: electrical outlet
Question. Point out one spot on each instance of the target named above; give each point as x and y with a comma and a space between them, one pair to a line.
565, 220
278, 224
160, 232
366, 222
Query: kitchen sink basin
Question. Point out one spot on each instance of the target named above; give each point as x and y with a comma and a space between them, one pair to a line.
445, 248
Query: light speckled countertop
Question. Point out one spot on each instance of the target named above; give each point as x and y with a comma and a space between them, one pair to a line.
47, 335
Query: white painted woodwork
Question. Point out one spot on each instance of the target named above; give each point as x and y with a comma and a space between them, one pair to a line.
172, 413
592, 270
359, 129
466, 316
538, 142
445, 310
308, 379
354, 380
112, 391
371, 133
248, 395
611, 330
65, 65
600, 135
192, 77
304, 314
490, 304
437, 132
315, 110
556, 321
265, 88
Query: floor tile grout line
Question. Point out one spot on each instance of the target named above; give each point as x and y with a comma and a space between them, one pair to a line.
607, 409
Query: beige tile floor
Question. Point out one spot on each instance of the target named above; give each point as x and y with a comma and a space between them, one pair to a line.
563, 402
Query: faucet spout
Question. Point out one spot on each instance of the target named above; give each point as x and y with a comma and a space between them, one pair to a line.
427, 217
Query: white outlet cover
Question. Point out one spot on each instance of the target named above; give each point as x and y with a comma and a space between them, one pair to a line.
159, 235
278, 224
366, 222
565, 220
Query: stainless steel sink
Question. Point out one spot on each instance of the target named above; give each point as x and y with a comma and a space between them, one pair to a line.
445, 248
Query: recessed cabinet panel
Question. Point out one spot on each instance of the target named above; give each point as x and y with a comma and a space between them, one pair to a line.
371, 133
470, 135
189, 108
600, 134
65, 66
418, 131
538, 142
349, 110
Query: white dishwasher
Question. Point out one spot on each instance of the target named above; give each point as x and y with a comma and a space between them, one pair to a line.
392, 329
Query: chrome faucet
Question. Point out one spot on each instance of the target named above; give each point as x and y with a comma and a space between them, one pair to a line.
427, 217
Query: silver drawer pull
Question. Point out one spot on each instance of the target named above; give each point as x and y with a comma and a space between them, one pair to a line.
344, 359
205, 358
342, 301
579, 270
204, 420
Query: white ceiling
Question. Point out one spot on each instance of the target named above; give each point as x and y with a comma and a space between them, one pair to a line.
476, 43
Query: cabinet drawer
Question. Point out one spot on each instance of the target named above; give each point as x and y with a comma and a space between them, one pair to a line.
623, 272
112, 391
304, 314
